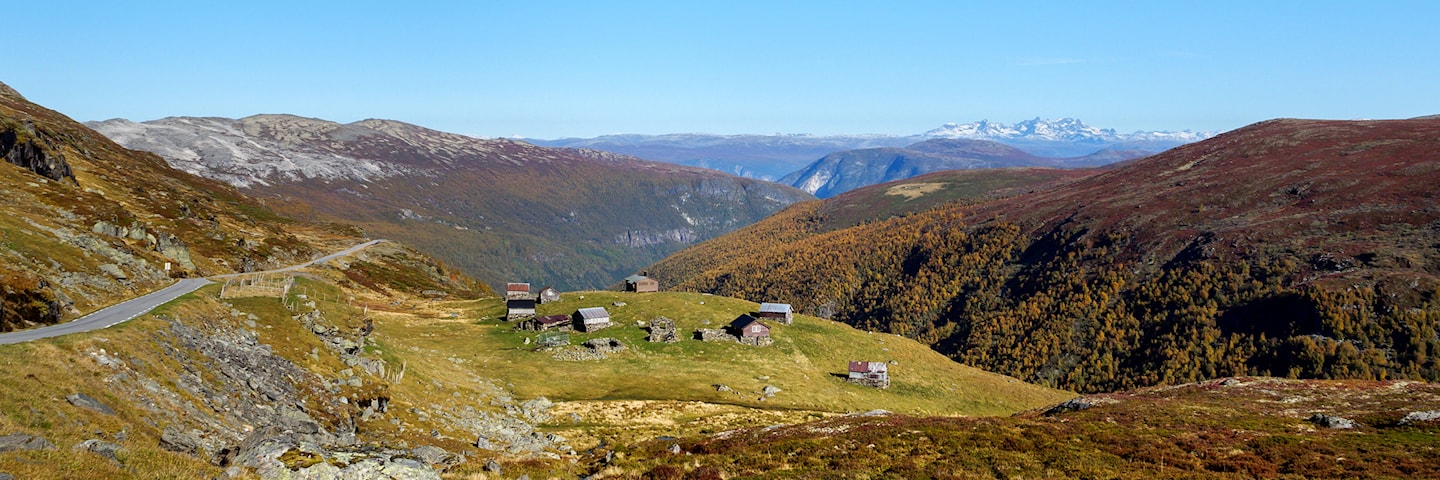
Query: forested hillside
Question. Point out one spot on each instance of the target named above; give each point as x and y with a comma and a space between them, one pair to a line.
1288, 248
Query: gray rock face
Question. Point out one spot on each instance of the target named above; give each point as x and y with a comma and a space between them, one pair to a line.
176, 440
305, 460
100, 447
31, 155
1331, 421
84, 401
1420, 417
21, 441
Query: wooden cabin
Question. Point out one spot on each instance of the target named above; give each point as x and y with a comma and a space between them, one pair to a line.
517, 290
641, 283
561, 323
591, 319
750, 331
874, 374
548, 294
519, 308
779, 312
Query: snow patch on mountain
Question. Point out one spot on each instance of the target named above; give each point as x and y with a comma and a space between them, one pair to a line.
1062, 130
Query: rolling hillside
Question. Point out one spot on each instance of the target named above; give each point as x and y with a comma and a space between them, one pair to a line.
1290, 248
87, 222
498, 209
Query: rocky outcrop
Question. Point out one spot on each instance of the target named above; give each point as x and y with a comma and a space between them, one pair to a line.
25, 151
84, 401
21, 441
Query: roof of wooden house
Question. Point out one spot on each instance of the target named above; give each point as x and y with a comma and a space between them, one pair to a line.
549, 289
520, 303
636, 278
774, 308
867, 367
593, 313
744, 321
553, 319
517, 287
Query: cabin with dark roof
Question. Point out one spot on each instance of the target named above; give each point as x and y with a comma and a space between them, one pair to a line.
874, 374
548, 294
779, 312
641, 283
518, 308
517, 290
750, 331
591, 319
561, 323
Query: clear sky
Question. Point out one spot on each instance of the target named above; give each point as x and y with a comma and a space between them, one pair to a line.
546, 69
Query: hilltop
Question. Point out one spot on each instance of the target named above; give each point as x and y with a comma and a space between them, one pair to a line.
496, 209
1291, 248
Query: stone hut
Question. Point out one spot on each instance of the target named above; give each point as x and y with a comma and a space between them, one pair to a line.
778, 312
663, 330
873, 374
548, 294
591, 319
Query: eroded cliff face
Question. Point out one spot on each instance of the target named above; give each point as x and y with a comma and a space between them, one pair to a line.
21, 145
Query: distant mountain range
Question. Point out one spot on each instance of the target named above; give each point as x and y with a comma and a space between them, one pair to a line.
774, 156
501, 210
844, 171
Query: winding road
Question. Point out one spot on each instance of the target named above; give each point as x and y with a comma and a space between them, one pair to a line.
135, 307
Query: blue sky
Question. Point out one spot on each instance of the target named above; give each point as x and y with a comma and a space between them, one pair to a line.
547, 69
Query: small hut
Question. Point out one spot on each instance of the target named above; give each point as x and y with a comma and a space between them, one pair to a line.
517, 290
641, 283
548, 294
779, 312
517, 308
591, 319
750, 331
874, 374
549, 322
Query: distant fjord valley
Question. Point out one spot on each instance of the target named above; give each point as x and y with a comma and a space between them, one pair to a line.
281, 297
829, 165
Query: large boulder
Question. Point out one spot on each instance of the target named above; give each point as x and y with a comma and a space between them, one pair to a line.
21, 441
85, 401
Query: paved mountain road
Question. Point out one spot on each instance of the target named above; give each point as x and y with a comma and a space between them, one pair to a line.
135, 307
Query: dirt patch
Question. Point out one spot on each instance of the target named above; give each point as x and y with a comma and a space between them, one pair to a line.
913, 191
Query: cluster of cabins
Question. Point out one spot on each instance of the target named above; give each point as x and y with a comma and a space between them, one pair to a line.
745, 329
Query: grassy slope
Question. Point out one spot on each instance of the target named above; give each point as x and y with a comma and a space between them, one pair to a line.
803, 361
1253, 429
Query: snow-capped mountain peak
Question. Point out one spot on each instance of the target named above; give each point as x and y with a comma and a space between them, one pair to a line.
1063, 130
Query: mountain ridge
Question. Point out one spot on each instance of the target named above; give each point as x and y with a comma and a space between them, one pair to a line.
502, 210
1287, 248
777, 155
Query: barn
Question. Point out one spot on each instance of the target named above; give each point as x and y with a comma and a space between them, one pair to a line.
641, 283
591, 319
779, 312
